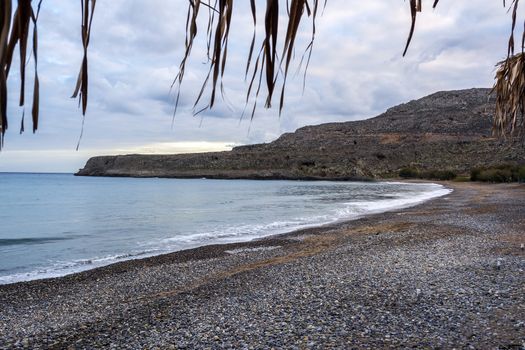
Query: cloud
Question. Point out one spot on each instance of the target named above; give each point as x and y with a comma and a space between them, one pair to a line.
356, 72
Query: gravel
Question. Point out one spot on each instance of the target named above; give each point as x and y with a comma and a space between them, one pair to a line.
449, 273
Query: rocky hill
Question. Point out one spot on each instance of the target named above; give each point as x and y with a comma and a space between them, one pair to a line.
444, 131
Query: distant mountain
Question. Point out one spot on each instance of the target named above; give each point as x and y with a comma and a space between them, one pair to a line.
444, 131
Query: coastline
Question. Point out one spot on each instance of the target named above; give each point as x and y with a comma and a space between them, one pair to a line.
481, 222
344, 211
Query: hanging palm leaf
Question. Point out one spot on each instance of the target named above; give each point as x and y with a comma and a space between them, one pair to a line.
267, 63
16, 26
509, 87
510, 96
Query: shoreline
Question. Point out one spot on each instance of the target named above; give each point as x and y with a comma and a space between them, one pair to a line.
444, 273
130, 257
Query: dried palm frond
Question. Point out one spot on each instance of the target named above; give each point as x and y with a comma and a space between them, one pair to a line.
81, 88
509, 119
5, 25
267, 62
415, 7
509, 87
510, 97
15, 29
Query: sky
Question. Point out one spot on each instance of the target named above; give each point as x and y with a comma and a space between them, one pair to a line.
356, 72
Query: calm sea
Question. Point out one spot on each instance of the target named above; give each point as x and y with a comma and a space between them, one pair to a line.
55, 224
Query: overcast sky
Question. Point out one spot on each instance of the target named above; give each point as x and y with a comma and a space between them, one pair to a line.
356, 72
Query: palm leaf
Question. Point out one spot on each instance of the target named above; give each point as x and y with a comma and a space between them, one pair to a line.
15, 31
509, 87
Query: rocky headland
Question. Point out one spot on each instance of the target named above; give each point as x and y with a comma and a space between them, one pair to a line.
449, 130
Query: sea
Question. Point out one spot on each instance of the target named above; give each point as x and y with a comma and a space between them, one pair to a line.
56, 224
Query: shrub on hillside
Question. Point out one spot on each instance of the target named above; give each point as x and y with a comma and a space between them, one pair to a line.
474, 174
495, 175
521, 174
412, 173
409, 173
499, 173
444, 175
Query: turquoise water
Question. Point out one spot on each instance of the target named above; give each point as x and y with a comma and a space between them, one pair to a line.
56, 224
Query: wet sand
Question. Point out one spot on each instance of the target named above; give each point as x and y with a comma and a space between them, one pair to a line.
448, 273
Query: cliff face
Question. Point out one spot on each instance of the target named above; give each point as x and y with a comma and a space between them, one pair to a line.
446, 130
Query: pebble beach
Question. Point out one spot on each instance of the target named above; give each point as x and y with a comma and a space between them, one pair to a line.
449, 273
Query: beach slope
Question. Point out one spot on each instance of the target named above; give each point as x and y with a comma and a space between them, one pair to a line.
447, 273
